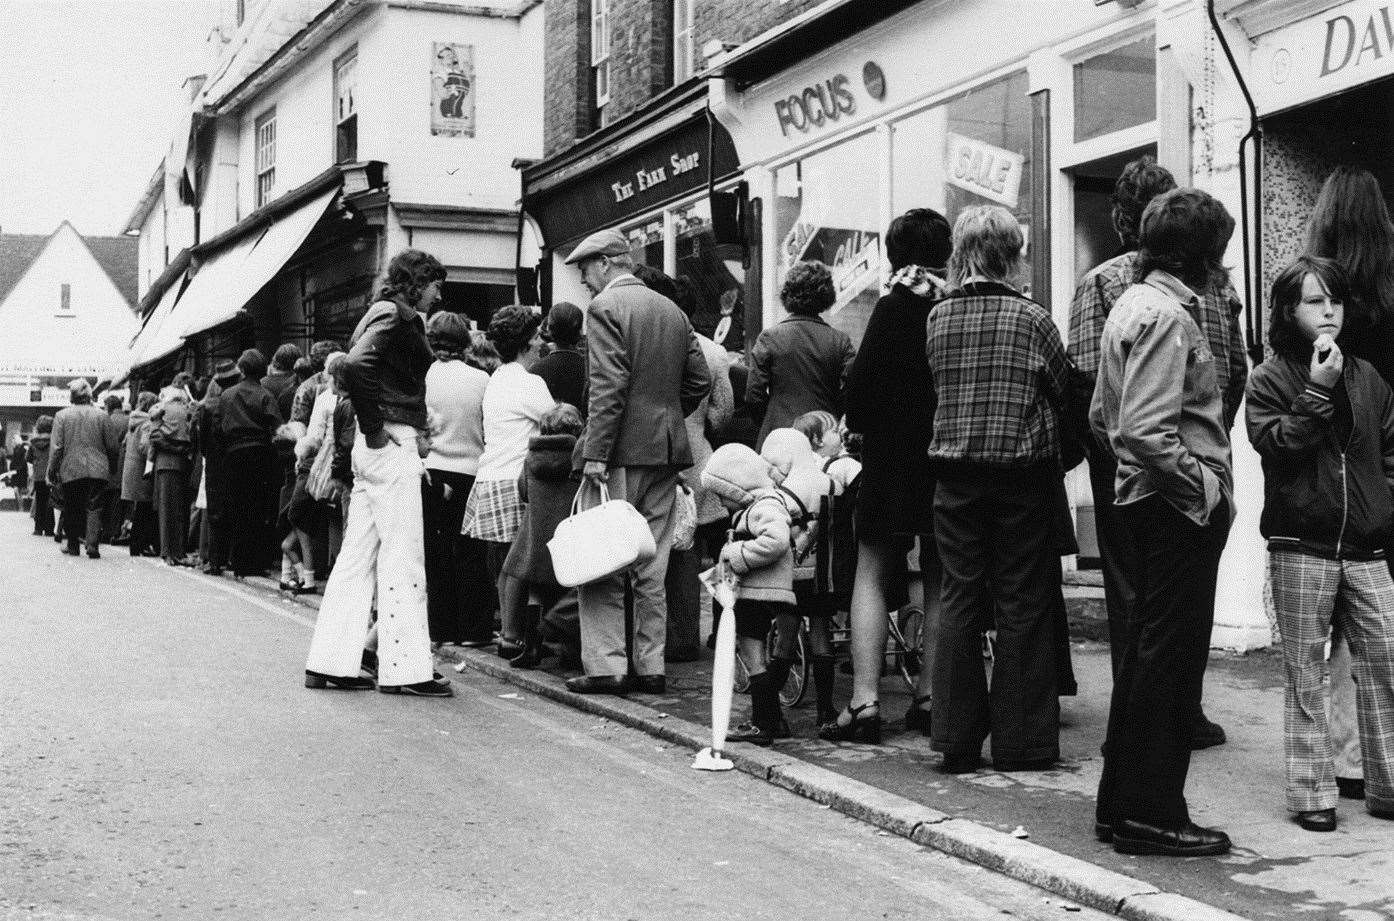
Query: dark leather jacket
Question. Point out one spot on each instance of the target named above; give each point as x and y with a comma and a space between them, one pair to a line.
1328, 458
386, 369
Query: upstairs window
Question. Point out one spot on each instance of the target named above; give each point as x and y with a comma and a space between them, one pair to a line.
683, 52
65, 300
600, 53
345, 113
265, 155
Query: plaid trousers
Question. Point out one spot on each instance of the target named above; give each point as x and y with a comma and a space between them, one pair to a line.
1308, 592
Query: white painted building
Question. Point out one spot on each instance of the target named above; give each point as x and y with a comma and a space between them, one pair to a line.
326, 137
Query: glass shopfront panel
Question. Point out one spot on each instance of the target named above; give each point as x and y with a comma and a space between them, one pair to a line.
828, 209
1116, 90
974, 149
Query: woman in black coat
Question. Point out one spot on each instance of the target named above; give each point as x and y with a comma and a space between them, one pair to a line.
887, 404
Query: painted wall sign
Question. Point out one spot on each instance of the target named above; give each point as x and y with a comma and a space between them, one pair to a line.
452, 89
991, 172
816, 106
1343, 47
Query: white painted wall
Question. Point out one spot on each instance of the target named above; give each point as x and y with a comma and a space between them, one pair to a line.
40, 338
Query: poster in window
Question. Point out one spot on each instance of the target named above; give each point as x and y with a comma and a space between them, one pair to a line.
452, 90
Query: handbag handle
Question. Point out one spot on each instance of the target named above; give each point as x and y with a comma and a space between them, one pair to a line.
576, 500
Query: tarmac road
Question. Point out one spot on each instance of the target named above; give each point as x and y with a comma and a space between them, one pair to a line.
159, 758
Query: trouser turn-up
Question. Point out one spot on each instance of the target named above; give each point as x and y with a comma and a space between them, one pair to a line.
382, 553
650, 490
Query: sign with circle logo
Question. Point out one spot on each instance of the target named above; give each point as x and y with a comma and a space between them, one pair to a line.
875, 80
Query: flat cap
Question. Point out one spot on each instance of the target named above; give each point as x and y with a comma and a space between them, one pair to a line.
600, 243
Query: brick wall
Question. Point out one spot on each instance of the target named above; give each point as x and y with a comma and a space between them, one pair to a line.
641, 37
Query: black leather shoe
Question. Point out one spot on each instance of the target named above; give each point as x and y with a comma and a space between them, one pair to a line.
1317, 819
437, 687
94, 554
597, 684
648, 684
70, 551
317, 680
1190, 840
1351, 787
959, 764
749, 732
1103, 831
1206, 734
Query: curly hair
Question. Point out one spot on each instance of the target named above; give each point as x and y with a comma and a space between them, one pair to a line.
408, 274
1184, 232
512, 328
1141, 181
1283, 333
808, 289
562, 419
481, 354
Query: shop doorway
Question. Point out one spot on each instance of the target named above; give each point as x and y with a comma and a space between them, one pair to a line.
1095, 241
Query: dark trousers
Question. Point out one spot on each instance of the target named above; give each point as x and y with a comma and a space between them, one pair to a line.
145, 536
1156, 695
253, 485
459, 594
43, 509
683, 590
172, 509
82, 512
993, 531
113, 514
1115, 550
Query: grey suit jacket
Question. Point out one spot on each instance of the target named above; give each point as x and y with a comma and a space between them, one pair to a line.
84, 445
646, 374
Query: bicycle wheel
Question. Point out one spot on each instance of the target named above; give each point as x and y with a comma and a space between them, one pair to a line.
906, 630
794, 686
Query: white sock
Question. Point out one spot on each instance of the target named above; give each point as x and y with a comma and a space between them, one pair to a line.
287, 569
307, 577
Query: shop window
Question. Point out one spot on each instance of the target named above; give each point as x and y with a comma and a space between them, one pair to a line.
476, 301
683, 52
715, 273
345, 110
974, 149
1116, 89
828, 209
600, 52
265, 134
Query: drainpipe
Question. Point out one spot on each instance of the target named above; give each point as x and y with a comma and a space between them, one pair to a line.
1253, 267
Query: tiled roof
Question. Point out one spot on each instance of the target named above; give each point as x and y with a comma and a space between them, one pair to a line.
117, 256
17, 251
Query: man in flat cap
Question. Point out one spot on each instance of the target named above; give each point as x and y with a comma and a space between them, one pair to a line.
646, 374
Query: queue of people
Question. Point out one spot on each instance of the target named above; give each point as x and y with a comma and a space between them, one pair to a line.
417, 474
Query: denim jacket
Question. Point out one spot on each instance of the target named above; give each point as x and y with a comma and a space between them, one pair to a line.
1157, 404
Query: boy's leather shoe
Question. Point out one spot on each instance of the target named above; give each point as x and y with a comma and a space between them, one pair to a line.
597, 684
1189, 840
1317, 819
648, 684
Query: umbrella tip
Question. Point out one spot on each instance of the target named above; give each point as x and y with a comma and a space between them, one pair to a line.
708, 760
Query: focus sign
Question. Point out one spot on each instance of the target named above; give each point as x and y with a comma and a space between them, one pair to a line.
991, 172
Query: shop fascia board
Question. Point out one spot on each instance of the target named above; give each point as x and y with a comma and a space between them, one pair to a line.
456, 217
499, 11
1259, 17
661, 115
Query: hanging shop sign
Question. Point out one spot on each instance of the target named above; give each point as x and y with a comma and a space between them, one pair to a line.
1348, 45
984, 170
635, 182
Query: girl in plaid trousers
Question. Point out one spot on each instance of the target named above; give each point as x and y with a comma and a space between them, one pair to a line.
1323, 424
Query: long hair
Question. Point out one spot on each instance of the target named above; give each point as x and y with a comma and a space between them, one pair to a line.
1283, 333
1141, 181
1350, 224
408, 274
987, 241
1184, 232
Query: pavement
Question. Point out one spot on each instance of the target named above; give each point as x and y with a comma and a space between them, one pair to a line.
160, 758
1276, 871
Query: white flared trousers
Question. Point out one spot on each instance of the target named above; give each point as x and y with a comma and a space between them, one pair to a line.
382, 552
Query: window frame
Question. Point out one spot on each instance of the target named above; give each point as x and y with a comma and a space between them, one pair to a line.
264, 155
600, 52
683, 50
345, 61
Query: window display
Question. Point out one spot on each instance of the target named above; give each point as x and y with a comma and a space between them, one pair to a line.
828, 210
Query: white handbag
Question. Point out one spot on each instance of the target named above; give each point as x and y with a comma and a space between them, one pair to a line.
599, 541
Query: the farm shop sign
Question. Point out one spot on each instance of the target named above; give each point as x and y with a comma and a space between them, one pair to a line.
651, 177
1348, 45
991, 172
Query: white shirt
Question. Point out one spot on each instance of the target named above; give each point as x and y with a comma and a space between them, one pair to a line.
455, 402
514, 403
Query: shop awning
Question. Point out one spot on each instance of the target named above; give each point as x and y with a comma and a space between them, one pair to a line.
142, 350
228, 279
